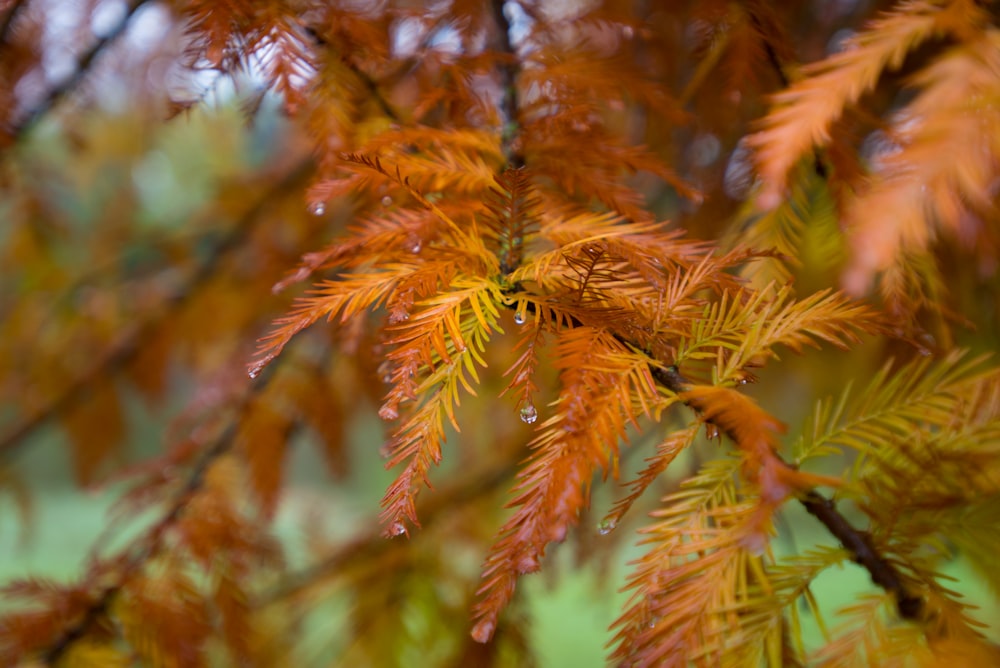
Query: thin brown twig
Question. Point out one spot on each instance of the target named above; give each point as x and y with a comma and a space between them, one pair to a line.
859, 544
854, 540
118, 356
772, 54
373, 544
70, 83
779, 67
369, 82
140, 552
9, 19
509, 69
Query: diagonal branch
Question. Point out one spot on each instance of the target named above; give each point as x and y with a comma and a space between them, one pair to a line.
854, 540
773, 59
118, 356
369, 82
143, 550
372, 544
859, 544
780, 68
9, 19
70, 83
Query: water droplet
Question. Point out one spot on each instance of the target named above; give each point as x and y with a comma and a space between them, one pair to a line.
415, 248
519, 318
386, 201
388, 412
317, 208
528, 563
254, 369
397, 529
755, 543
557, 534
483, 631
529, 414
628, 32
925, 344
606, 526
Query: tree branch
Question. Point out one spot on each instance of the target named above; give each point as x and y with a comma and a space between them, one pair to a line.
776, 63
9, 19
129, 344
70, 83
772, 54
369, 82
372, 544
859, 544
854, 540
509, 69
142, 551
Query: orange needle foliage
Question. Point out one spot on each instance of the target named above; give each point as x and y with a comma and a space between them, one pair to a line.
505, 244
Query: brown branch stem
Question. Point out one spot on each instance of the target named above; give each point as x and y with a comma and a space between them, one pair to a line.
509, 69
854, 540
141, 551
780, 68
772, 54
118, 356
369, 82
9, 19
71, 82
372, 545
859, 544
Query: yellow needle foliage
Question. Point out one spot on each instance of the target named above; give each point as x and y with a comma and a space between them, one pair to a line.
724, 273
